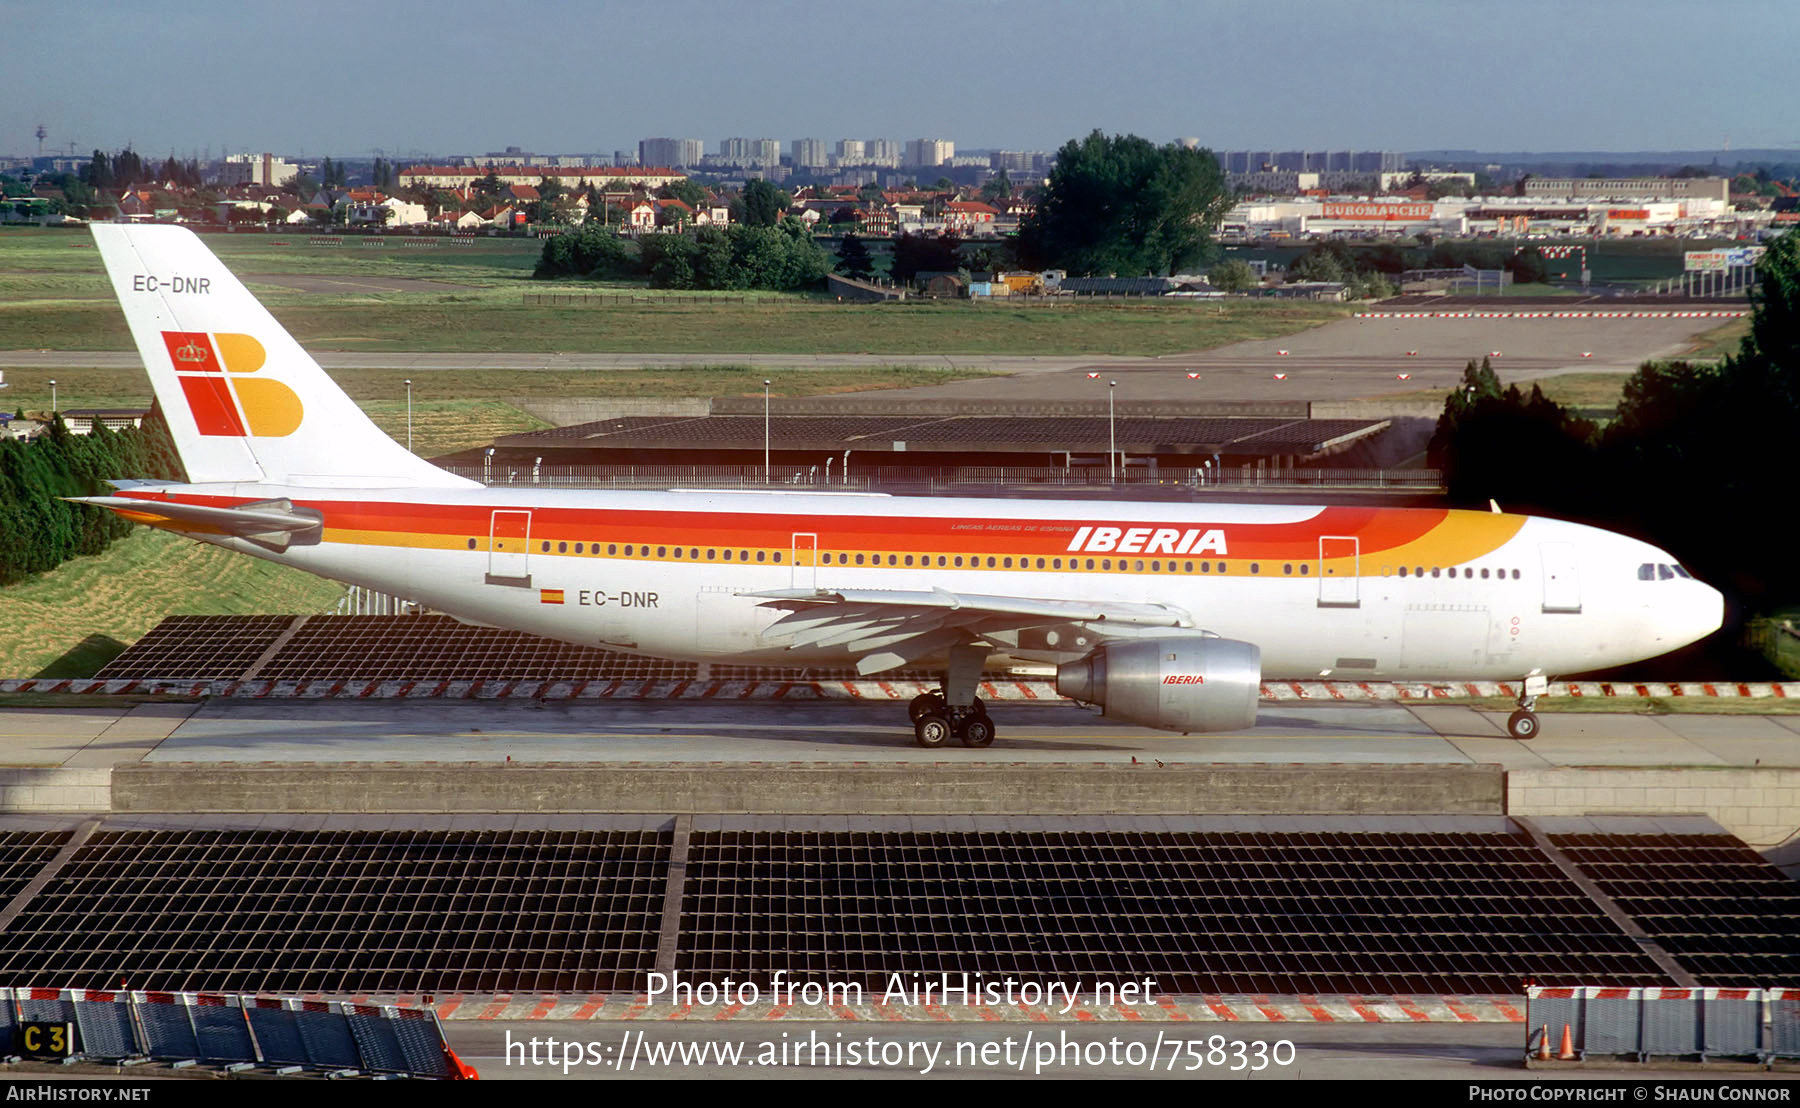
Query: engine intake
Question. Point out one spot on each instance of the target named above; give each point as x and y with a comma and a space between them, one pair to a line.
1184, 684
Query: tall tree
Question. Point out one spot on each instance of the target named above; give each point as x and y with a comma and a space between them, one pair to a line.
1122, 205
761, 204
853, 258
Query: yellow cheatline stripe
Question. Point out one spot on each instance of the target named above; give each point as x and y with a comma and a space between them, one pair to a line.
1463, 537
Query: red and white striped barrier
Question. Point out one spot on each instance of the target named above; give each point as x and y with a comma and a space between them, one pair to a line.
1719, 314
1187, 1008
999, 689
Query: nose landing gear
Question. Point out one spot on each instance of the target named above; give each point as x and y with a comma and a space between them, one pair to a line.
1523, 724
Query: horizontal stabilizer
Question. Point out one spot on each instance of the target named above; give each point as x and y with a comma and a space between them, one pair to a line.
276, 524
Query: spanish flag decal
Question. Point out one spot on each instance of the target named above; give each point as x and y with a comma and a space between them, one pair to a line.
550, 596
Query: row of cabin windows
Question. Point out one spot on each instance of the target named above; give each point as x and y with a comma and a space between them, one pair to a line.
633, 550
974, 561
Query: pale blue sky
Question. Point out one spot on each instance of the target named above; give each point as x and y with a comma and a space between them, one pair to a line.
558, 76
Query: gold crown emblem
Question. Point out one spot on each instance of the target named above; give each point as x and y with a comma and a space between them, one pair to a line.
190, 352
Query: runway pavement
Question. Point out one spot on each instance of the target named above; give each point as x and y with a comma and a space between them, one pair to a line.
1348, 359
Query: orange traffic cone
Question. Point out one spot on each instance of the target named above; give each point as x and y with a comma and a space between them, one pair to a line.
1544, 1043
1567, 1053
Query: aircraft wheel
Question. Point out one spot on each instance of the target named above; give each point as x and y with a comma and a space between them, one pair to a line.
924, 702
977, 731
932, 730
1522, 725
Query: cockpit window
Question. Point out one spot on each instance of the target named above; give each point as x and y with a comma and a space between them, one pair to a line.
1681, 571
1661, 571
1646, 572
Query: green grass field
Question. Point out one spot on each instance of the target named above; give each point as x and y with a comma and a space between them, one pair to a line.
460, 409
74, 619
54, 296
1592, 394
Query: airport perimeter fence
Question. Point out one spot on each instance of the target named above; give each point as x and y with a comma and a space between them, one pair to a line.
1706, 1025
945, 479
226, 1031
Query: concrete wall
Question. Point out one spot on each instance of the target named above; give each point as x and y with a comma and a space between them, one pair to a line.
568, 413
1759, 805
932, 789
56, 790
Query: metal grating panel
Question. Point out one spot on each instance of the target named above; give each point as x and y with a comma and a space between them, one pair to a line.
197, 648
416, 648
1209, 912
347, 912
1713, 903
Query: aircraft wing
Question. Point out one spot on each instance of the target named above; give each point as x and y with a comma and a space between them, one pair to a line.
889, 628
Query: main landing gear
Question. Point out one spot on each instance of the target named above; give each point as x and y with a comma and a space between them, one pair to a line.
955, 711
1523, 724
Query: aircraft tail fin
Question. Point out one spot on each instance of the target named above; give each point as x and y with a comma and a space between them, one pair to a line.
243, 400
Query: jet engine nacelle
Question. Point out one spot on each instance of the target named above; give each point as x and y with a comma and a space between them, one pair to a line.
1180, 684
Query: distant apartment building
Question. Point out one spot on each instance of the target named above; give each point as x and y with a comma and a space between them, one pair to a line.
462, 176
882, 151
745, 151
811, 154
256, 169
852, 149
929, 152
669, 151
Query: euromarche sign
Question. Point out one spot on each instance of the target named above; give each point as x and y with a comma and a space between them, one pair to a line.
1407, 212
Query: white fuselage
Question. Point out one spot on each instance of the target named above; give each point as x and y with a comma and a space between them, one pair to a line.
1445, 595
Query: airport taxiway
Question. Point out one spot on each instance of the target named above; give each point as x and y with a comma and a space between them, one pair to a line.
274, 731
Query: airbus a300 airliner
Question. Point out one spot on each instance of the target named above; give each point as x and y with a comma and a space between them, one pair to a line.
1165, 615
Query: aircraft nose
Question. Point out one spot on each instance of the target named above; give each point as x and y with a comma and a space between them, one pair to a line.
1708, 611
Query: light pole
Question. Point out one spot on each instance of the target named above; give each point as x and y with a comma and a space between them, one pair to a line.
1112, 439
765, 431
53, 399
409, 415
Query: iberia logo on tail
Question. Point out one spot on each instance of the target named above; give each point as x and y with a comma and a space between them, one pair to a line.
211, 369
